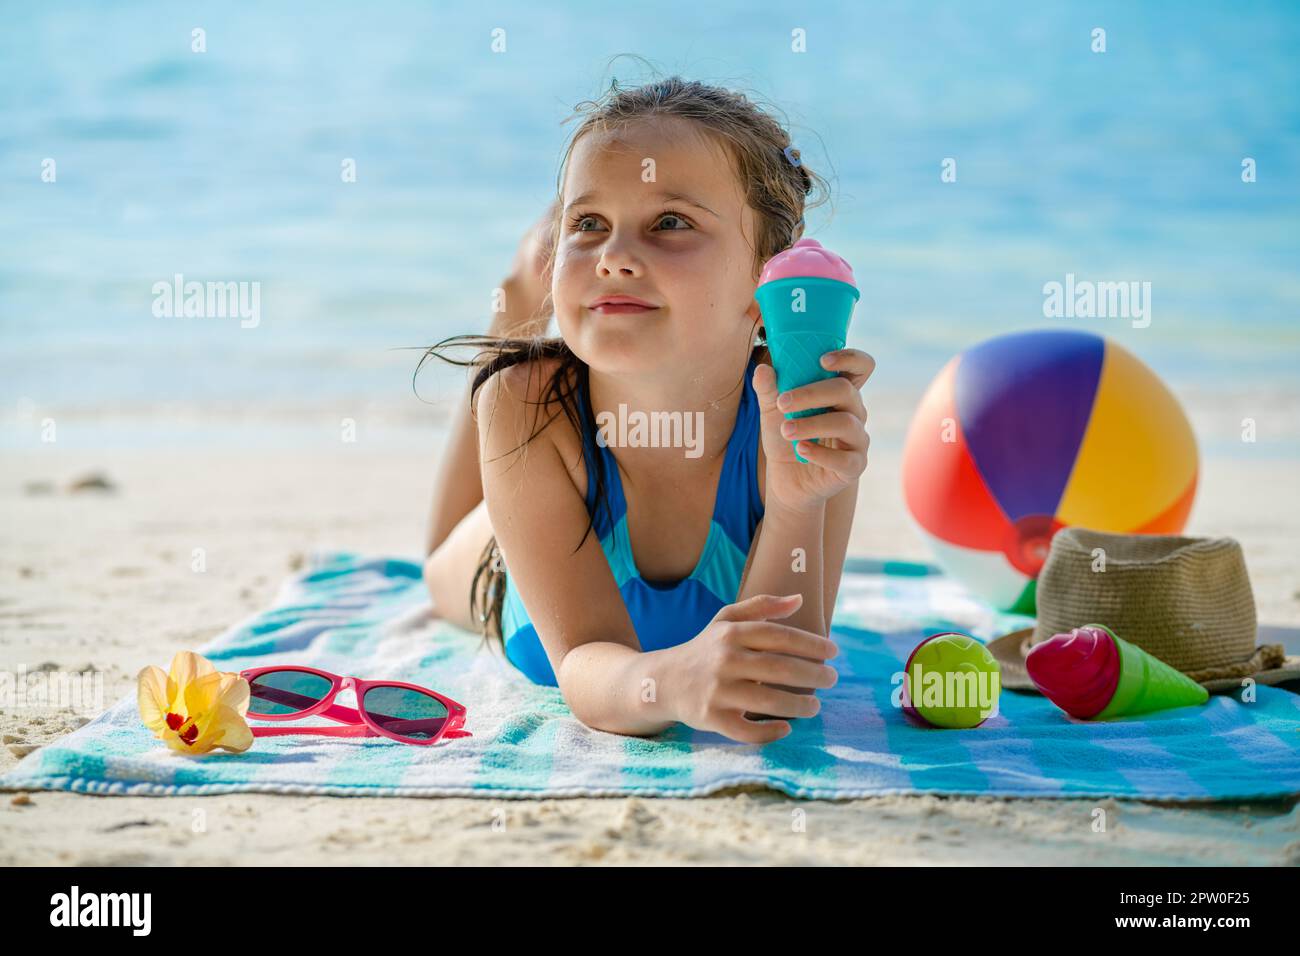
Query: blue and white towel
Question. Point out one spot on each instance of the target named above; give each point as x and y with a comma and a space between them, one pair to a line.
370, 618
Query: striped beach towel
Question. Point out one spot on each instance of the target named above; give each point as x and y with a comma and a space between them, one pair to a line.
369, 617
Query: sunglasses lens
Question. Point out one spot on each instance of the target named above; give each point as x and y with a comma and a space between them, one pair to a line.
405, 713
279, 693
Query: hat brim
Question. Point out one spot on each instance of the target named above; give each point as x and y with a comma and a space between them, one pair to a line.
1010, 650
1289, 671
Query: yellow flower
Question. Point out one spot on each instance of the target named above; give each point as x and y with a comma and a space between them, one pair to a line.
195, 707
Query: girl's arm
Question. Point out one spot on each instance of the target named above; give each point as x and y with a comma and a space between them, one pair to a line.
839, 526
809, 507
776, 569
538, 517
836, 527
458, 489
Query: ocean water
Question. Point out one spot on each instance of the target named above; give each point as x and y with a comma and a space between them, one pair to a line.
225, 166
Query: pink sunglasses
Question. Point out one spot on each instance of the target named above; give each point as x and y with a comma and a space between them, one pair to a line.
385, 708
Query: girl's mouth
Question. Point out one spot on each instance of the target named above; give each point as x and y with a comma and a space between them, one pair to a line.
621, 308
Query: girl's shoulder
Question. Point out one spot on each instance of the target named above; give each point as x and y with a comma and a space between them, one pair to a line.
523, 395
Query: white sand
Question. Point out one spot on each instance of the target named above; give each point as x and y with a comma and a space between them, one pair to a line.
105, 579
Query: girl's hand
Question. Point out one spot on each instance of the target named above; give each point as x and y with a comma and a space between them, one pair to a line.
745, 662
840, 457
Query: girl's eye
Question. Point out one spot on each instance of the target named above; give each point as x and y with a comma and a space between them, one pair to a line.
577, 219
673, 215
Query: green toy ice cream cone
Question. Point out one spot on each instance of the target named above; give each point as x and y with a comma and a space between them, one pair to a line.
1147, 684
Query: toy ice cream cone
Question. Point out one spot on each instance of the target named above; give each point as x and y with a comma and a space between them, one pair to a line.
806, 295
1092, 674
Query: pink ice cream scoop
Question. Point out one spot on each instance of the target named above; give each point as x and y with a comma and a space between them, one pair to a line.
1078, 671
807, 258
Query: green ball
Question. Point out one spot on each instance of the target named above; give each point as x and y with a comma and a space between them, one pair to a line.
952, 682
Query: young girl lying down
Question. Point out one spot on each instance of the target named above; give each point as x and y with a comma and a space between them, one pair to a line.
654, 582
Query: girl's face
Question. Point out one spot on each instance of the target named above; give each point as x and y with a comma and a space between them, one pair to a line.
655, 212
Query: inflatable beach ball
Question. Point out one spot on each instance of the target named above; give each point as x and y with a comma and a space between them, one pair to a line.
1028, 433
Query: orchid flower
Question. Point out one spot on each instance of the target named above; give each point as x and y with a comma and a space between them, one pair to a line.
196, 707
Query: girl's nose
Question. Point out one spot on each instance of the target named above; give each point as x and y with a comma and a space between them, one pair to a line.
617, 257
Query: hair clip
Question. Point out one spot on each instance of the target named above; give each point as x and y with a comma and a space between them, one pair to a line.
792, 154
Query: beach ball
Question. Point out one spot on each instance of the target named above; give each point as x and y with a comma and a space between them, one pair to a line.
1027, 433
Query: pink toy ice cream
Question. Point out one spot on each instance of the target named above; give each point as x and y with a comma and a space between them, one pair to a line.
1092, 674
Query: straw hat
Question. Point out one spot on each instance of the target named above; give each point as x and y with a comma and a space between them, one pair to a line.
1188, 601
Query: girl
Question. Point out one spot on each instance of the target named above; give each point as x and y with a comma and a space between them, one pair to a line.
672, 196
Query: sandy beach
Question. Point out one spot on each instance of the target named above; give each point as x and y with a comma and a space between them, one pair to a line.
103, 579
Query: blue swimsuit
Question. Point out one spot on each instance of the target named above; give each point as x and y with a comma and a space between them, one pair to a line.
663, 613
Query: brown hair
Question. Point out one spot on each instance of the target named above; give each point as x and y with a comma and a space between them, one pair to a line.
776, 184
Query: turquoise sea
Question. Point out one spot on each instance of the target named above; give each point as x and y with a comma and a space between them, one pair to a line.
224, 165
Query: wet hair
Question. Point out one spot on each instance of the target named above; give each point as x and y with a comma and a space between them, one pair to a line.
777, 185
